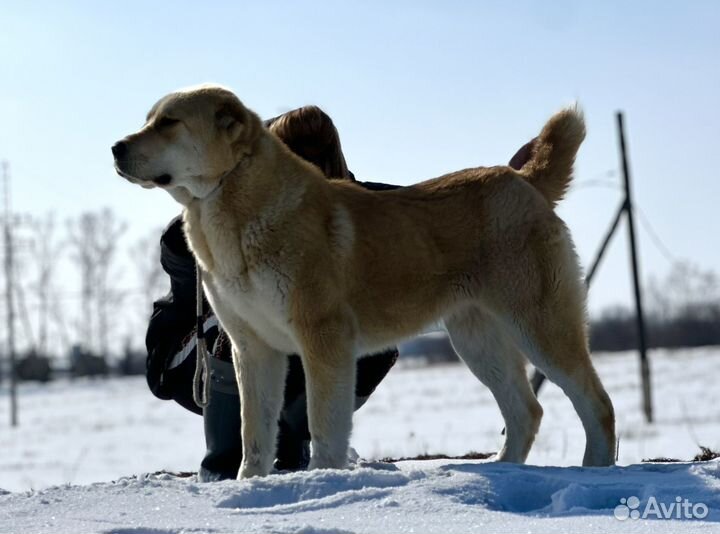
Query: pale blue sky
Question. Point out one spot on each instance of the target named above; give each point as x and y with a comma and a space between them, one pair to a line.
416, 89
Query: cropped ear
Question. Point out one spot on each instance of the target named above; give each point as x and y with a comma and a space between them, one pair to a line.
230, 120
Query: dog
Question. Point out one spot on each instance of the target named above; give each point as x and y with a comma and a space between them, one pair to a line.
289, 264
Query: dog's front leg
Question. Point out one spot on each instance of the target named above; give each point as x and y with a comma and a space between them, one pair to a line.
330, 382
261, 374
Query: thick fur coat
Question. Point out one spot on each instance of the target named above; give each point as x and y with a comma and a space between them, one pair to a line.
291, 264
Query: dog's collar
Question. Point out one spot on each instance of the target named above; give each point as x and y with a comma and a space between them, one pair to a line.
222, 178
218, 186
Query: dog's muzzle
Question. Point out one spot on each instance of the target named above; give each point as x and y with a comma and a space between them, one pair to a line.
119, 150
163, 179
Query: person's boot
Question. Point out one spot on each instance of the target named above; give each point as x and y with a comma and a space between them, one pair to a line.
293, 450
221, 420
293, 445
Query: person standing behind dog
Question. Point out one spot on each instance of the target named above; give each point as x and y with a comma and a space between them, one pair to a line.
171, 337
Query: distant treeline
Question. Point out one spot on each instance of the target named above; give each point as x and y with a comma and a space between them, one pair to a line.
683, 310
694, 326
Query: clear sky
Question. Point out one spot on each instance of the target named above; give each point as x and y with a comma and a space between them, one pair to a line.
416, 89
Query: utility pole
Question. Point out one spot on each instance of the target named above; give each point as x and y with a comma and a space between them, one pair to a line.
9, 288
639, 316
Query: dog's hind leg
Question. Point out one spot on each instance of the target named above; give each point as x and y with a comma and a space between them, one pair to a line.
555, 344
550, 328
329, 365
496, 362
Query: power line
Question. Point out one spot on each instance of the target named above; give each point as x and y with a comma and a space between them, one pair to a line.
602, 179
655, 238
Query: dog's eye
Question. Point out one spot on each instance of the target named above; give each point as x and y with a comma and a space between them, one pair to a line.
166, 122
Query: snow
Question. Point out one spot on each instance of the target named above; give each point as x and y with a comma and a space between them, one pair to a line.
412, 497
68, 466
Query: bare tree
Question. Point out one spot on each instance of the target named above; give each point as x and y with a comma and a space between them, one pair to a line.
83, 237
108, 295
686, 286
145, 254
22, 276
45, 249
93, 239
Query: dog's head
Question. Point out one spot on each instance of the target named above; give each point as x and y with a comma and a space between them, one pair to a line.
190, 140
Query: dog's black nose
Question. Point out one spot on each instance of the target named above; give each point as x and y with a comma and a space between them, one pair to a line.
119, 149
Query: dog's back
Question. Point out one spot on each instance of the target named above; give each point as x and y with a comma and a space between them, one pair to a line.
463, 235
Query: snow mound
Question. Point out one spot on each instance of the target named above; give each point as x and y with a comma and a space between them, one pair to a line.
437, 496
322, 489
568, 491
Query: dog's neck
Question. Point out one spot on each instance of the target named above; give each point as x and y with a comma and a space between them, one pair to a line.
271, 170
185, 197
263, 192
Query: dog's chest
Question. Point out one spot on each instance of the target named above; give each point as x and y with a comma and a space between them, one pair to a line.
244, 281
260, 297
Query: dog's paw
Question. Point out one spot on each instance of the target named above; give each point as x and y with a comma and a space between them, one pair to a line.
324, 462
249, 471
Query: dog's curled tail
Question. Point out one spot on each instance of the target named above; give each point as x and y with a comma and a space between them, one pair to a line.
549, 169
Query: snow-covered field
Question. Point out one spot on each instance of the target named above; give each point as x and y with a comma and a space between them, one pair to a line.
77, 437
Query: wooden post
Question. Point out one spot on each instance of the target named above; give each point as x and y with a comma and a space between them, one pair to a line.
9, 297
640, 318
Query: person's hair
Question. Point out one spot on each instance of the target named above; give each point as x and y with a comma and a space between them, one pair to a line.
311, 134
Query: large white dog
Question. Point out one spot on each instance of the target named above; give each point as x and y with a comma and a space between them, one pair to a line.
290, 264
